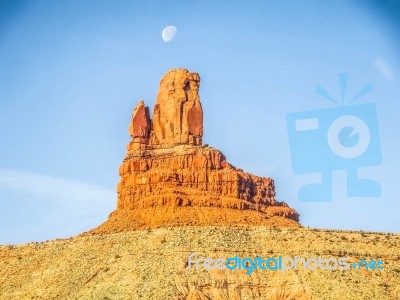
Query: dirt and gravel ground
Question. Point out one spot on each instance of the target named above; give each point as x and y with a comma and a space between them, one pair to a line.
152, 264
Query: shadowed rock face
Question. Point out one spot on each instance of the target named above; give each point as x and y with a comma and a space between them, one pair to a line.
169, 178
139, 128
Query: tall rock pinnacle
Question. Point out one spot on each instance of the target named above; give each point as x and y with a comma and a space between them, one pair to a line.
178, 116
140, 126
168, 178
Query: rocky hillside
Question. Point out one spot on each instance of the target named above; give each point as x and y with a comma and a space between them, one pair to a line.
153, 264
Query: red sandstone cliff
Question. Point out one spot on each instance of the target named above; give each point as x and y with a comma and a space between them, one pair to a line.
168, 178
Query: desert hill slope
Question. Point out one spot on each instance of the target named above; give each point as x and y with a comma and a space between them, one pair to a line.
152, 264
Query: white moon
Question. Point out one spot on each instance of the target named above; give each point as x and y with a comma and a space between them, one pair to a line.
169, 33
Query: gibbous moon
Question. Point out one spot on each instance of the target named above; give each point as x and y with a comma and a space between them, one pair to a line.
168, 33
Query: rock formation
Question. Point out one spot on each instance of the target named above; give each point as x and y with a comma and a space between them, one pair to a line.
178, 116
169, 178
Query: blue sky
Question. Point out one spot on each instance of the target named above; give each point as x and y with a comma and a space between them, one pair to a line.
71, 73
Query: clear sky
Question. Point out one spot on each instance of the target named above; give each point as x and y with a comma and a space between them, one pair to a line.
71, 73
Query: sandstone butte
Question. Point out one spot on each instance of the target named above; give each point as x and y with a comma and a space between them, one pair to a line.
169, 178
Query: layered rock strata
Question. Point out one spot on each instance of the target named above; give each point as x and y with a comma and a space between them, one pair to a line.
168, 178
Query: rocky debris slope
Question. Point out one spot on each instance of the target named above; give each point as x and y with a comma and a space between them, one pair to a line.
169, 177
152, 264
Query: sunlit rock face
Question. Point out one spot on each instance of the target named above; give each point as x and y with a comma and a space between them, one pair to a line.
168, 178
178, 116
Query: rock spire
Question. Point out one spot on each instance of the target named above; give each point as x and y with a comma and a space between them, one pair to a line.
168, 178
